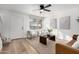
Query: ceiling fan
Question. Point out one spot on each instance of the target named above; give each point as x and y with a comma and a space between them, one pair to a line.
43, 7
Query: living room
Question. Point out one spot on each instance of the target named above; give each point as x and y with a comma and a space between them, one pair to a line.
17, 26
23, 25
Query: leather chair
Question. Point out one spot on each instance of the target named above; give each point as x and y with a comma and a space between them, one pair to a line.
43, 40
52, 38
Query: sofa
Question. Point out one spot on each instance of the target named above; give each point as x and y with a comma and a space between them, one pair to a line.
67, 48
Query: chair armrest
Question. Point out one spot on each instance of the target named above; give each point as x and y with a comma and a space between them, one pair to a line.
70, 43
65, 49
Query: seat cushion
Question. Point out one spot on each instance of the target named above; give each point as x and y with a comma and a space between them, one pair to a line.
76, 44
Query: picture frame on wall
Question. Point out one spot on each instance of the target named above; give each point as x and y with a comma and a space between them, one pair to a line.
36, 24
64, 22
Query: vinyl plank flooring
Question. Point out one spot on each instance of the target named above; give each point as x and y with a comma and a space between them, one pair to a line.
26, 46
19, 46
41, 48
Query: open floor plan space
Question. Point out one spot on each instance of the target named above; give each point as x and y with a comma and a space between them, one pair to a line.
39, 28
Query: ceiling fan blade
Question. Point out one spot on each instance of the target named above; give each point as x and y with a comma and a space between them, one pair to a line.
48, 5
47, 10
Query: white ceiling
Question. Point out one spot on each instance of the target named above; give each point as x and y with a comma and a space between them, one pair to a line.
32, 8
64, 7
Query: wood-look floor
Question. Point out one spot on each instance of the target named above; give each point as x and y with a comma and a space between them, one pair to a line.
26, 46
41, 48
20, 46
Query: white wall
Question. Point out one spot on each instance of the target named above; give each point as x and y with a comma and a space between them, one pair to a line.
1, 22
46, 23
0, 27
74, 25
12, 24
